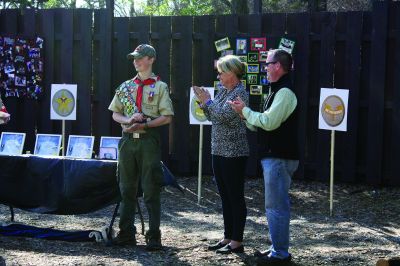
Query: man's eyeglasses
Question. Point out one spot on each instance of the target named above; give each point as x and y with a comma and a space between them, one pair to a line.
269, 63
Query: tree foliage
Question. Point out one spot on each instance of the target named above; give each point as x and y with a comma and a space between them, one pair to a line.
315, 5
128, 8
194, 7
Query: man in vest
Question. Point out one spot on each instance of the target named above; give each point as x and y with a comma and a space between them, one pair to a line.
141, 105
278, 151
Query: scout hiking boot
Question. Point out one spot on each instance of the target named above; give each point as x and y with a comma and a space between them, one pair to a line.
153, 241
124, 240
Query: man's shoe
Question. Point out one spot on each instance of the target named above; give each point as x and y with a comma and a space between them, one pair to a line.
388, 262
269, 260
216, 246
124, 240
262, 253
153, 241
227, 249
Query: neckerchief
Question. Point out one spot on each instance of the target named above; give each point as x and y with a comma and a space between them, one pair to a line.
140, 84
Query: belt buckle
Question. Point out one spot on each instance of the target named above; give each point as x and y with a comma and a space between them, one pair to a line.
136, 135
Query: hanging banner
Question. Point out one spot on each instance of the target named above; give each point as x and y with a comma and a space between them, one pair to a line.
21, 67
333, 109
197, 116
63, 102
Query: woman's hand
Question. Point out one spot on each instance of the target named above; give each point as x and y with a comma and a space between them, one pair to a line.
202, 94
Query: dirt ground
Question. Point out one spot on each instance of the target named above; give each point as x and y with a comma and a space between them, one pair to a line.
364, 228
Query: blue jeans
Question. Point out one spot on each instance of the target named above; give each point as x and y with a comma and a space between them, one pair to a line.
277, 177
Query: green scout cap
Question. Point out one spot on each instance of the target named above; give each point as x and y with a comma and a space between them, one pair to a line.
142, 51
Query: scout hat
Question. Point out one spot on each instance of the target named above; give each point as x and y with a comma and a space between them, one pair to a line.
142, 51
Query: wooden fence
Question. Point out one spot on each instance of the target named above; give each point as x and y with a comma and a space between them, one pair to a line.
359, 51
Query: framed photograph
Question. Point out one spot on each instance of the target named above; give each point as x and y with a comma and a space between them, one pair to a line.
20, 81
264, 80
258, 44
34, 53
241, 46
108, 153
262, 56
226, 52
243, 58
222, 44
263, 68
47, 145
109, 142
253, 68
287, 45
252, 79
80, 146
252, 57
255, 90
12, 143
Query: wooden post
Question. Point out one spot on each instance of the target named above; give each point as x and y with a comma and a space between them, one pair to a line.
200, 164
332, 169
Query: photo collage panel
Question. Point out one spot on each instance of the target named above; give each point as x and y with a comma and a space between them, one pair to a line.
21, 67
253, 52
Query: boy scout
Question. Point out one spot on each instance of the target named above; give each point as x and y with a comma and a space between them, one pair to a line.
141, 105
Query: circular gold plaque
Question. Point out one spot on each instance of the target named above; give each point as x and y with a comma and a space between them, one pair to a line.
333, 110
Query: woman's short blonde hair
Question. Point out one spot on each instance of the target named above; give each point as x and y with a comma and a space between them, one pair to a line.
231, 63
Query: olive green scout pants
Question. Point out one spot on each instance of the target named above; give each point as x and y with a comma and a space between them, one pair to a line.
140, 158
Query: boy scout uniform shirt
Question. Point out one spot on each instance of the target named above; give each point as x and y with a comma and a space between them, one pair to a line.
155, 101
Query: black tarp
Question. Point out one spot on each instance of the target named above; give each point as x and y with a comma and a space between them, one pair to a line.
60, 185
57, 185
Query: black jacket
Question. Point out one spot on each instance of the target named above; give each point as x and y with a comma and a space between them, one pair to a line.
282, 142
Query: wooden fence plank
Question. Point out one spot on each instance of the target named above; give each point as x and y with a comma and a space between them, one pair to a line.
102, 60
326, 81
341, 66
204, 54
352, 82
181, 81
161, 41
62, 61
82, 70
46, 31
251, 26
365, 73
28, 107
140, 31
376, 92
298, 25
394, 177
122, 66
273, 27
9, 26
